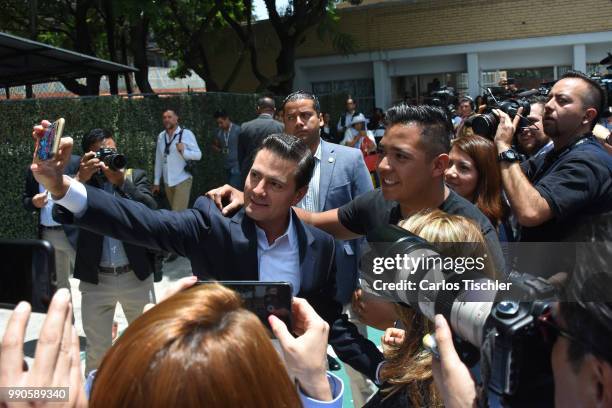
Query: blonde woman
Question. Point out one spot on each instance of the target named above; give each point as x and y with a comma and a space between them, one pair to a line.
406, 372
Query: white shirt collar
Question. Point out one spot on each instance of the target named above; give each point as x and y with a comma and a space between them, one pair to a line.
317, 154
178, 129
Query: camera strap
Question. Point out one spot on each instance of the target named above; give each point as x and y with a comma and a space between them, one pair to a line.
552, 157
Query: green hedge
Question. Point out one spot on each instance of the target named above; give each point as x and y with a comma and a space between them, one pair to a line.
135, 122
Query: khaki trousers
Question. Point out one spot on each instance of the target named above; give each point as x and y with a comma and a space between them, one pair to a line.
98, 304
178, 196
64, 255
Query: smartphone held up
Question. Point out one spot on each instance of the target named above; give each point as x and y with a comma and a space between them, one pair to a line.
48, 144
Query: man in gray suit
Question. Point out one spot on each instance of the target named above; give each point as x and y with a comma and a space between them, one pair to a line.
340, 175
226, 142
253, 132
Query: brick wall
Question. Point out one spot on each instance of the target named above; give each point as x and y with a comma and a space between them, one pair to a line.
423, 23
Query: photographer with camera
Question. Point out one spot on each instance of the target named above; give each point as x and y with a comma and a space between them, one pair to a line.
465, 110
532, 140
579, 330
110, 271
549, 193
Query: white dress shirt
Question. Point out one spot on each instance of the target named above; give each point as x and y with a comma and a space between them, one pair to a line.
310, 202
279, 261
46, 212
172, 166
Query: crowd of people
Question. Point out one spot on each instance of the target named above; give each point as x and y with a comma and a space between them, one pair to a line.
302, 193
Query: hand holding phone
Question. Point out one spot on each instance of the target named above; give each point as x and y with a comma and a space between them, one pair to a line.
263, 299
305, 355
51, 157
47, 145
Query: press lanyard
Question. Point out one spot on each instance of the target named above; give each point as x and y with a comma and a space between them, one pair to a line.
226, 136
552, 157
168, 144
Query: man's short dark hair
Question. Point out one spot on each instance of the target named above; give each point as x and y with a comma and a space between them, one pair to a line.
586, 325
596, 97
171, 110
266, 102
221, 113
466, 99
94, 136
538, 100
293, 149
299, 95
436, 126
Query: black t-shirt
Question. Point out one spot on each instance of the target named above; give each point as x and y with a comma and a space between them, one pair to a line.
370, 210
575, 182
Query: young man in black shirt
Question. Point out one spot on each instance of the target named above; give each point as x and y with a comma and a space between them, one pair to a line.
550, 194
414, 155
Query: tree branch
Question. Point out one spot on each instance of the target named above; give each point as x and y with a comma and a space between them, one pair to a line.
275, 18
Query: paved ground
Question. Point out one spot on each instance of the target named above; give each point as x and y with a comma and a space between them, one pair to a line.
172, 272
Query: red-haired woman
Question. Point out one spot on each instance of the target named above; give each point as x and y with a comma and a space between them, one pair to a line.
473, 172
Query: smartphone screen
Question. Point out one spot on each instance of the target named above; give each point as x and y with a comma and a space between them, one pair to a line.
48, 144
263, 298
26, 273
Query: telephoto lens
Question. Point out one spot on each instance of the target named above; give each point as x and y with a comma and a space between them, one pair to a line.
485, 125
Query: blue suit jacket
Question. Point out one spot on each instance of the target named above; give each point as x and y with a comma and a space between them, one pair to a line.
344, 176
232, 142
226, 249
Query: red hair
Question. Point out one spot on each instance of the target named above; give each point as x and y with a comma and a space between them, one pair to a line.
488, 194
198, 348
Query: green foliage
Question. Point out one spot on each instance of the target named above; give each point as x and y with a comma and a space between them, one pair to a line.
135, 123
329, 27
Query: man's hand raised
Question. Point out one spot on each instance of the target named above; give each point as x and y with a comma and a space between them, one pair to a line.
227, 193
50, 173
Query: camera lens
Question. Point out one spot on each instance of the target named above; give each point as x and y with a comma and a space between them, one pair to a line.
485, 125
116, 161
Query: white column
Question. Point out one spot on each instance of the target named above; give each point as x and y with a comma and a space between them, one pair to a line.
580, 57
382, 85
473, 71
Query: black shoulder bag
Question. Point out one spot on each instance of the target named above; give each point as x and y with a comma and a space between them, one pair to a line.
189, 164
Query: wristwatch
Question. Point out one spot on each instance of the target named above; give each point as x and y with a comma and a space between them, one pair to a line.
509, 155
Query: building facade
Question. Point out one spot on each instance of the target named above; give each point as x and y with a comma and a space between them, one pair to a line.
405, 48
412, 47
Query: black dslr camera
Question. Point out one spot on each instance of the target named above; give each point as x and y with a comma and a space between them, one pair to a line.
486, 124
115, 161
504, 329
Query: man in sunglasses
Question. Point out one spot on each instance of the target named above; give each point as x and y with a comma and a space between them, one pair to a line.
578, 329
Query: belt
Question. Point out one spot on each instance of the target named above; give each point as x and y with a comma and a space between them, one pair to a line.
120, 270
56, 227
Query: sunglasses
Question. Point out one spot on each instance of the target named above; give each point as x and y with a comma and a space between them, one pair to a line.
551, 330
